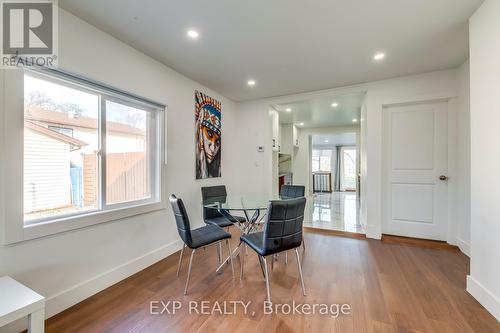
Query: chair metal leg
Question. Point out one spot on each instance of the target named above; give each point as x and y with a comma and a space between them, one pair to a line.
243, 250
219, 252
267, 279
300, 272
180, 260
227, 229
230, 256
189, 272
286, 257
261, 264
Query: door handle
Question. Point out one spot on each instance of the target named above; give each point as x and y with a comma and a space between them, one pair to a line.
443, 178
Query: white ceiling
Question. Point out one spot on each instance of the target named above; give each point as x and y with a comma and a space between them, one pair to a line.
288, 46
341, 139
318, 111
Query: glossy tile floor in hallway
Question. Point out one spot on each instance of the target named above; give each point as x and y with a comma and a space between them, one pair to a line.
333, 211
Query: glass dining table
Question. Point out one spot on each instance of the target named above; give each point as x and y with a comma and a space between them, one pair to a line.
253, 209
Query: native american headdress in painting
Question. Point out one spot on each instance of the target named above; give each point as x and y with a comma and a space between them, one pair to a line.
208, 136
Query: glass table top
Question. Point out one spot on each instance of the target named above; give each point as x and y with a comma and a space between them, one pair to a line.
238, 202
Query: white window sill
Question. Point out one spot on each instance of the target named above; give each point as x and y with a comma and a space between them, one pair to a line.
82, 221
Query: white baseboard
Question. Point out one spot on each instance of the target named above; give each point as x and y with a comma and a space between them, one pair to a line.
484, 296
83, 290
464, 247
373, 232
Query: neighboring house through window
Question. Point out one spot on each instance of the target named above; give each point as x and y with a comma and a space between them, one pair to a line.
86, 150
62, 130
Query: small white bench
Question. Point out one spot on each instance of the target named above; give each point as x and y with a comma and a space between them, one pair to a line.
18, 301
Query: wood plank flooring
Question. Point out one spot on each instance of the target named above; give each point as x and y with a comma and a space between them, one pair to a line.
389, 287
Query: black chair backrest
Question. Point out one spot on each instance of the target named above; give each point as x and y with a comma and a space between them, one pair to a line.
210, 194
182, 219
283, 227
292, 191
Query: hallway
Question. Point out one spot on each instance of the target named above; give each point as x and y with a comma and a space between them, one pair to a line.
333, 211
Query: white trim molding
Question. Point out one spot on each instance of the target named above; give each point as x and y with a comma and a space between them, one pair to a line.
464, 247
484, 296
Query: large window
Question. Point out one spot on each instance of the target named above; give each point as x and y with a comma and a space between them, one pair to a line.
86, 150
322, 160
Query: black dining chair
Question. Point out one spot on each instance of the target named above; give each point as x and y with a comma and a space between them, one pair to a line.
197, 238
282, 232
212, 216
292, 191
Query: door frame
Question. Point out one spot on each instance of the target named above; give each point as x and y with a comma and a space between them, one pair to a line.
451, 202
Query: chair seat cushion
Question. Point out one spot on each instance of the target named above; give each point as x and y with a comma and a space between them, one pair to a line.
231, 217
223, 221
256, 242
239, 218
220, 221
207, 235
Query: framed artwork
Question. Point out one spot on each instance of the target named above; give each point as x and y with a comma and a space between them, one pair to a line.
208, 136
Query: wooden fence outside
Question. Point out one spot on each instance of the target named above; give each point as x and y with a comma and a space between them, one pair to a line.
127, 177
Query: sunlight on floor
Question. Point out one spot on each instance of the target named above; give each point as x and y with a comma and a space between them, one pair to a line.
334, 211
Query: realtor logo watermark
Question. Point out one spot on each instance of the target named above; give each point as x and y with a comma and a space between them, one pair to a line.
29, 33
231, 308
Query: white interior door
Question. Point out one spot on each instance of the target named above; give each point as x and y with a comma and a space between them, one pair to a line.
416, 146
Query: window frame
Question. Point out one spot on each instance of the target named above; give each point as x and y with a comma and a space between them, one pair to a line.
15, 229
153, 146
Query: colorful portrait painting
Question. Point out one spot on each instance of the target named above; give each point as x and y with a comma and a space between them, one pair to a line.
208, 136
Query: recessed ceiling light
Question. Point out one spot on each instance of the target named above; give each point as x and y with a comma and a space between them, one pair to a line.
379, 56
251, 83
288, 110
334, 105
193, 34
301, 124
326, 141
355, 120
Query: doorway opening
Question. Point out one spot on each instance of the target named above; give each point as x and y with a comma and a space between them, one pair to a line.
316, 144
334, 181
334, 163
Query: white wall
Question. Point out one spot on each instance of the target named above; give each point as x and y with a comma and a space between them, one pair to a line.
71, 266
462, 212
484, 280
255, 169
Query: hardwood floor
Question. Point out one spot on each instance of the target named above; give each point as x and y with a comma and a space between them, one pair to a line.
389, 287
